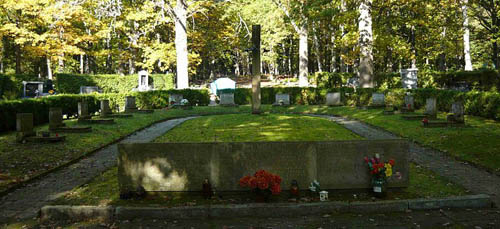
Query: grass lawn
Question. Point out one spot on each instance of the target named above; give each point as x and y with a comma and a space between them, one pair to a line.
103, 190
19, 162
248, 127
478, 143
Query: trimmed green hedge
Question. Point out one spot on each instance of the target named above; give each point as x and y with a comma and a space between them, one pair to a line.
70, 83
69, 104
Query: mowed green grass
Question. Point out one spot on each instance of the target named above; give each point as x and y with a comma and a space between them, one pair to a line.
19, 162
254, 128
478, 142
104, 190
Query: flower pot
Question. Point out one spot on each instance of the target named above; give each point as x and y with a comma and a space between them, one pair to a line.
379, 187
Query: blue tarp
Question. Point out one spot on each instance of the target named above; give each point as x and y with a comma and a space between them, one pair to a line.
222, 84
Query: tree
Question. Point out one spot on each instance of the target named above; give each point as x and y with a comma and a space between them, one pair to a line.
366, 45
468, 62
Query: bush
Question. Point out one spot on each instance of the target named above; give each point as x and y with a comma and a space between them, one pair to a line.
70, 83
330, 79
11, 86
69, 104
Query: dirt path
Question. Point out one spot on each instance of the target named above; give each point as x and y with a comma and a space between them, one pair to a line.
472, 178
26, 201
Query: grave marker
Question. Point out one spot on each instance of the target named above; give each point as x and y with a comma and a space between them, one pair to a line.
227, 99
24, 126
378, 99
32, 88
333, 99
409, 78
89, 89
457, 108
431, 107
105, 109
130, 105
55, 118
83, 110
409, 105
282, 99
175, 99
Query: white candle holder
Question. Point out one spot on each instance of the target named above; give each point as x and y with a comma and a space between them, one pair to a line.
323, 196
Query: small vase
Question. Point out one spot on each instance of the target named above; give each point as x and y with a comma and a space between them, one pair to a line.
379, 187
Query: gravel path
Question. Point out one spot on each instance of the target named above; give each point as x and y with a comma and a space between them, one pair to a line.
472, 178
26, 201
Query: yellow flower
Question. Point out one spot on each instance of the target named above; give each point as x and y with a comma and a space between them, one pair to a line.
388, 170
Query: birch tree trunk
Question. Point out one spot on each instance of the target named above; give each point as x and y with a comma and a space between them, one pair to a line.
366, 45
316, 46
181, 45
303, 56
49, 68
1, 57
468, 61
81, 64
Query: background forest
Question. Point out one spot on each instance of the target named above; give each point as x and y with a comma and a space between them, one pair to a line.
45, 37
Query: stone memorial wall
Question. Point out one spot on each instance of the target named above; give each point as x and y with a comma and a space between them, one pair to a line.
184, 166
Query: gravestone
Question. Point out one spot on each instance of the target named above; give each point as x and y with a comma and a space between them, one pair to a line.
144, 81
184, 166
105, 109
457, 108
227, 99
55, 118
409, 103
175, 99
24, 126
431, 107
378, 99
130, 105
89, 89
32, 88
333, 99
409, 78
83, 110
282, 99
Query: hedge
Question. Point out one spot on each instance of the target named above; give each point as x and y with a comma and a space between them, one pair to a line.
70, 83
69, 104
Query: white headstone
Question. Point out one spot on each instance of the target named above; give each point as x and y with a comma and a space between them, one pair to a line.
409, 78
333, 99
143, 81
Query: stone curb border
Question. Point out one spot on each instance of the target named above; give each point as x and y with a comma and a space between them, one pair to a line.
109, 213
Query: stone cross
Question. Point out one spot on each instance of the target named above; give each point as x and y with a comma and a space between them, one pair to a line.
431, 107
55, 118
130, 104
24, 126
256, 100
378, 99
83, 110
105, 110
457, 108
333, 99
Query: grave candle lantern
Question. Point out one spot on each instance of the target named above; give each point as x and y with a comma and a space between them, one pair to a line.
323, 196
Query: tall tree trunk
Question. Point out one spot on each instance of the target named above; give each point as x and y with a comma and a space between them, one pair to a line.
81, 64
49, 68
303, 56
333, 63
495, 55
131, 64
413, 48
366, 45
289, 55
109, 60
60, 66
18, 59
468, 61
442, 56
181, 45
317, 49
1, 57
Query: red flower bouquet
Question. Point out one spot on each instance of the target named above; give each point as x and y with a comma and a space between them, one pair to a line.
380, 171
262, 181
